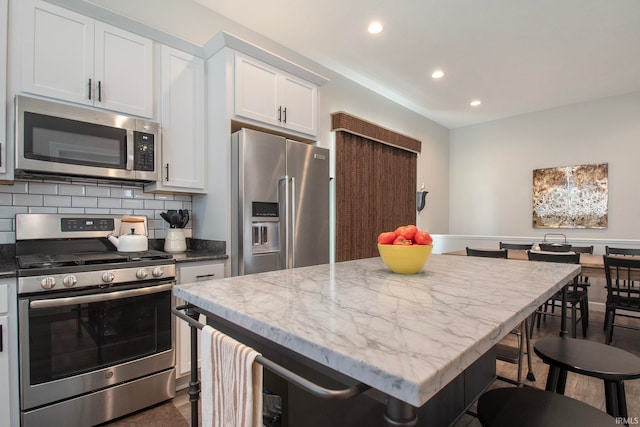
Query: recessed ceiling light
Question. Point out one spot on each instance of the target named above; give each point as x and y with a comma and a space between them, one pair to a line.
438, 74
475, 103
375, 27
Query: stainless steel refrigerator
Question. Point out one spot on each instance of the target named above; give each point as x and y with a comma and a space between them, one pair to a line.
280, 203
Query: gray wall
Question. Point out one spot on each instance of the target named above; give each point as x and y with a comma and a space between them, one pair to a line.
491, 166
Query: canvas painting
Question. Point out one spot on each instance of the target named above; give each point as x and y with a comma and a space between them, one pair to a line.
571, 197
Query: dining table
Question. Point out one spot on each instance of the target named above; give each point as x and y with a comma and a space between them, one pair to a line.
592, 264
404, 336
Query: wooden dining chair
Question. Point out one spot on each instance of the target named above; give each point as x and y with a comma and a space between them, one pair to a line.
583, 280
621, 251
516, 246
505, 352
576, 294
487, 253
608, 250
621, 272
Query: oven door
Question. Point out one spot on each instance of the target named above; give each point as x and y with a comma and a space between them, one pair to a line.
77, 342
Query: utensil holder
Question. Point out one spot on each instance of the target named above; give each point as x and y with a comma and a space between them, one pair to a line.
175, 241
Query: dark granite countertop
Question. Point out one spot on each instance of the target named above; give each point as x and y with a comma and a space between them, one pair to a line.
7, 268
198, 250
199, 255
8, 261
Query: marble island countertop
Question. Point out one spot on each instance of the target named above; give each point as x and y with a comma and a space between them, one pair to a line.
405, 335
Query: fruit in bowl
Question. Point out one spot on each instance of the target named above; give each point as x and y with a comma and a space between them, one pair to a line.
406, 249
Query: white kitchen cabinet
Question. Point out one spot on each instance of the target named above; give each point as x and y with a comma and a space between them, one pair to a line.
189, 273
71, 57
3, 87
182, 119
268, 95
8, 359
5, 399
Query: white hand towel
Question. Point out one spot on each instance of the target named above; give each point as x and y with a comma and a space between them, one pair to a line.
231, 382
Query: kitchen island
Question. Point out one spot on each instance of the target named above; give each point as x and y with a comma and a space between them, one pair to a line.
406, 336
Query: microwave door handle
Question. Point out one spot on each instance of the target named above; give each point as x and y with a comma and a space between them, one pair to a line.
130, 144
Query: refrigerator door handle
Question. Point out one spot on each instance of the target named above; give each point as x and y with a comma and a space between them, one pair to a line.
286, 251
292, 249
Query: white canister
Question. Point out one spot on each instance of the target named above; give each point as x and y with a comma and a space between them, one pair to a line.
175, 240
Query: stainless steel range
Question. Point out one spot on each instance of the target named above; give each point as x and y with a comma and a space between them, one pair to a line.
96, 335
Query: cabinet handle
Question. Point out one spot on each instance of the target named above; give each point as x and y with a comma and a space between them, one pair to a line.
99, 91
280, 114
1, 339
284, 114
166, 172
205, 276
89, 89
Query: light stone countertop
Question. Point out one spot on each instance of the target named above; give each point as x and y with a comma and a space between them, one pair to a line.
405, 335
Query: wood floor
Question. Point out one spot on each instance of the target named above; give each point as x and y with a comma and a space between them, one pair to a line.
177, 412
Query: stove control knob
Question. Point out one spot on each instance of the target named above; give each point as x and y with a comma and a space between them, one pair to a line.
48, 282
70, 281
157, 272
142, 274
108, 277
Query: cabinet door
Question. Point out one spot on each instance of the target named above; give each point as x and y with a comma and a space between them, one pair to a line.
300, 99
123, 71
182, 105
5, 390
5, 398
3, 87
57, 54
256, 91
189, 274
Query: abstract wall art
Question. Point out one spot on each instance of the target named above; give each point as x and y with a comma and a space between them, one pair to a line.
571, 196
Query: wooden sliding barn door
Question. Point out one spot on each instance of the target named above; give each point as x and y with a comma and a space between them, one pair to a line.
375, 192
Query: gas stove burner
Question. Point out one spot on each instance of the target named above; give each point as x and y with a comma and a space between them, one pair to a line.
148, 255
47, 261
43, 261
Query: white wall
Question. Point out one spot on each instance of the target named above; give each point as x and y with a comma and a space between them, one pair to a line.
491, 167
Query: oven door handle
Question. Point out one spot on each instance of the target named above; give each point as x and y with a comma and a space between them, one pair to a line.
87, 299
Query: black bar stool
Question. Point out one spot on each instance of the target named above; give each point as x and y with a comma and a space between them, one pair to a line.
532, 407
611, 364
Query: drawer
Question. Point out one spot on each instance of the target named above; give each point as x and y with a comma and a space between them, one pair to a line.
4, 298
200, 272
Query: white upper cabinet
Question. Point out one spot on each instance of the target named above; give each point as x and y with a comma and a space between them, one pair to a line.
123, 70
269, 95
182, 117
72, 57
3, 88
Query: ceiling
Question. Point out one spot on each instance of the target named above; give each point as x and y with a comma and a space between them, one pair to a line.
516, 56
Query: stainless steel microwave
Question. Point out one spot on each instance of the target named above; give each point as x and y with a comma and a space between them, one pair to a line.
60, 139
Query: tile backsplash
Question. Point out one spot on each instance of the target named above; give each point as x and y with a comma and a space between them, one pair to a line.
42, 196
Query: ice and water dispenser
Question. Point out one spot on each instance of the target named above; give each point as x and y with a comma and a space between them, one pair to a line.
265, 227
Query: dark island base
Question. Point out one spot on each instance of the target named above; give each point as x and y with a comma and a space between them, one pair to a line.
300, 408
